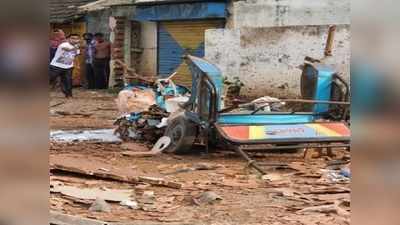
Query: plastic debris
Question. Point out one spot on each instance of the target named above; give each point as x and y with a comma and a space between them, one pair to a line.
172, 104
135, 100
161, 145
270, 103
334, 176
102, 135
163, 123
345, 172
130, 203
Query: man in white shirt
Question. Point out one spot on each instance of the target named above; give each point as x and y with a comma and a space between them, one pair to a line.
63, 63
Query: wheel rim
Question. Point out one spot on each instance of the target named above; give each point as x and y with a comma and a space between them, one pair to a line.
176, 135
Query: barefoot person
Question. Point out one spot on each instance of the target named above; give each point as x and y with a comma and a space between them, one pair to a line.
63, 63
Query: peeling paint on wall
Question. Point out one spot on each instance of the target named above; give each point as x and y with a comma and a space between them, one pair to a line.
267, 59
272, 13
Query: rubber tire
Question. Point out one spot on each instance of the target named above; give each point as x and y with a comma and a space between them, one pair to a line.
182, 133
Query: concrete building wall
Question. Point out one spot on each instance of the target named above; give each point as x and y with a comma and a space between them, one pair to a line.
267, 59
272, 13
148, 42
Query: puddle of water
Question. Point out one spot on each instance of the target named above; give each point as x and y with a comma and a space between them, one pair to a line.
102, 135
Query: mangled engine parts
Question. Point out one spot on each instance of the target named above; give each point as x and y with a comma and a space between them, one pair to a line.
145, 110
145, 126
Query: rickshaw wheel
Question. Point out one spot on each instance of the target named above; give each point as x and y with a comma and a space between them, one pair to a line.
182, 133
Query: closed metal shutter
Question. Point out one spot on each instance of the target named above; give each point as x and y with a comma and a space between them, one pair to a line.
177, 38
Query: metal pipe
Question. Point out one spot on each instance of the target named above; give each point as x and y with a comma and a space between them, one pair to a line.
330, 40
251, 162
313, 101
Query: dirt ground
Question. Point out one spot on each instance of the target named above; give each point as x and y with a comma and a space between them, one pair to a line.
297, 191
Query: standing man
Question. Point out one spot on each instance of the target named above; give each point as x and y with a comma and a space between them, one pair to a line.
101, 61
63, 63
89, 56
56, 39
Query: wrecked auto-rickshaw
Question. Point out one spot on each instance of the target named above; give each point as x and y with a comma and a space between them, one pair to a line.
198, 115
250, 128
146, 107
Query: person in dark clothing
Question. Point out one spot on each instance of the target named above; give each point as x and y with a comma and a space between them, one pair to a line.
66, 79
101, 62
63, 63
89, 57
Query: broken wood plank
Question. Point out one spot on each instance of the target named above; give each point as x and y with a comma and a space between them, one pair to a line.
328, 191
65, 113
160, 182
327, 209
111, 176
112, 195
57, 218
101, 175
57, 104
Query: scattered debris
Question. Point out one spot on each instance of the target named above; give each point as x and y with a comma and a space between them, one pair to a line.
102, 135
100, 205
66, 113
57, 104
104, 169
330, 190
267, 104
148, 197
286, 192
135, 100
95, 166
207, 197
333, 176
112, 176
57, 218
205, 166
197, 166
95, 174
160, 182
161, 145
272, 177
327, 209
142, 186
235, 183
345, 172
338, 162
112, 195
130, 203
173, 104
